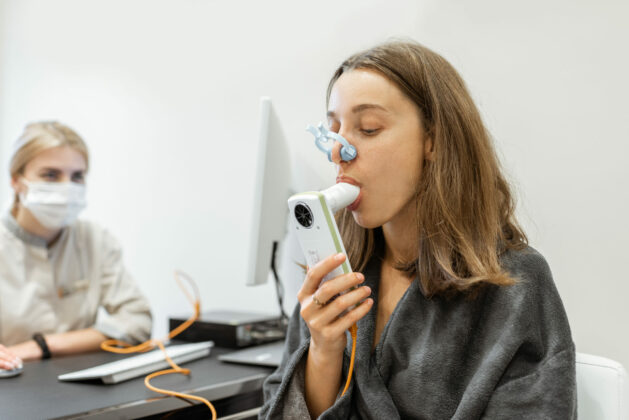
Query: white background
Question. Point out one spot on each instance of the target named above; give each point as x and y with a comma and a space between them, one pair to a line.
166, 95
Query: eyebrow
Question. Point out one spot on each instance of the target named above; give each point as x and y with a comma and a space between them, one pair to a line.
362, 107
74, 171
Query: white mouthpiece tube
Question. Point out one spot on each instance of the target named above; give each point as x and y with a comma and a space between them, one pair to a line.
340, 196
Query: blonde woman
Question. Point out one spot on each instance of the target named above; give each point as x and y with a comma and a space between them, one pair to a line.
57, 271
457, 317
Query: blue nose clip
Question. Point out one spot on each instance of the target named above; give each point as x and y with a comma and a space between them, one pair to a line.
324, 140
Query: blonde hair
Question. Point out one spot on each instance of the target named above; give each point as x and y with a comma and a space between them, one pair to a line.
465, 209
38, 137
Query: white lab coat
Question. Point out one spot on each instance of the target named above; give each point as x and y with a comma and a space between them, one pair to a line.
61, 288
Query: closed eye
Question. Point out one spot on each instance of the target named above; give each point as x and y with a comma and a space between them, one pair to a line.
370, 132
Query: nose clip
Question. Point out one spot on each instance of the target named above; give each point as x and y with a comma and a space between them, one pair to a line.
324, 140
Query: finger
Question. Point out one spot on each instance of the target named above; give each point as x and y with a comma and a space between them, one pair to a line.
4, 350
5, 365
7, 361
343, 323
330, 312
317, 272
337, 285
313, 304
7, 354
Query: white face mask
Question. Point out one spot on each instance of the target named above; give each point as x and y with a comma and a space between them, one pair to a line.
54, 204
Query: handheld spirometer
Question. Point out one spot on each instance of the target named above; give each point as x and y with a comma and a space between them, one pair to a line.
312, 217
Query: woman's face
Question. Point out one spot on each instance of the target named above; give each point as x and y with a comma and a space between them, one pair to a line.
58, 164
374, 116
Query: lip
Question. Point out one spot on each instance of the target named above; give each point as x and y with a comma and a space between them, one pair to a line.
352, 181
347, 180
356, 203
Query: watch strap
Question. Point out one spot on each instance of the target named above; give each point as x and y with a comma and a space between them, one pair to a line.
41, 342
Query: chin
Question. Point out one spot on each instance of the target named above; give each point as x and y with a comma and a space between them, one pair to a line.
365, 222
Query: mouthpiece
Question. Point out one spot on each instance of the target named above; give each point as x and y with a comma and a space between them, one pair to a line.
340, 195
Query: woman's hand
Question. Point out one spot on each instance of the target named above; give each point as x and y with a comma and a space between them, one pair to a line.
27, 350
8, 359
327, 329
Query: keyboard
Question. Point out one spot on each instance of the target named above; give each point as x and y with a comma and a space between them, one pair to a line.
142, 364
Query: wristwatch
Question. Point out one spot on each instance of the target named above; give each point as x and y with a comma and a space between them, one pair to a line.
41, 342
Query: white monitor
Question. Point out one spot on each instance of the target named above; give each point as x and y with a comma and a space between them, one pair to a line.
271, 191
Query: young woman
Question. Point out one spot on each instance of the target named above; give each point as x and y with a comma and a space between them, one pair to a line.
457, 317
57, 271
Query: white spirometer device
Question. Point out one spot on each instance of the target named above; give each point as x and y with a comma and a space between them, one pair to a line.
312, 217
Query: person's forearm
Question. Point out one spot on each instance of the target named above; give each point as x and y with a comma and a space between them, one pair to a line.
322, 381
71, 342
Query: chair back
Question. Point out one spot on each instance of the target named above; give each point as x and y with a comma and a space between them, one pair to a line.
602, 389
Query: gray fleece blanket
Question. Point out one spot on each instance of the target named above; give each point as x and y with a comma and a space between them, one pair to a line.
507, 354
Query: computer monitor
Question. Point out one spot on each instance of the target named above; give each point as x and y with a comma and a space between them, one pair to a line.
271, 192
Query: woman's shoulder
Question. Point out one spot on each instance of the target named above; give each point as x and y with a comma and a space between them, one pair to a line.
527, 267
8, 240
90, 232
534, 291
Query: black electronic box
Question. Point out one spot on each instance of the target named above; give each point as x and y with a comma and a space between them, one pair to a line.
232, 329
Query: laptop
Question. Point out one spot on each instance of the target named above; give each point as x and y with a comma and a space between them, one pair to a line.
263, 355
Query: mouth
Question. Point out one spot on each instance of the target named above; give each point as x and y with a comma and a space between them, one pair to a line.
347, 180
352, 181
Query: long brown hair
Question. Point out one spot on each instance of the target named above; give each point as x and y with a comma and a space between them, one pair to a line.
465, 209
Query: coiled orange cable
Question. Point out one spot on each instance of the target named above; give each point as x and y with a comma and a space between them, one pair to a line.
120, 347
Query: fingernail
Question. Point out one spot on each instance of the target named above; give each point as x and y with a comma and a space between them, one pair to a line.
359, 277
339, 257
367, 290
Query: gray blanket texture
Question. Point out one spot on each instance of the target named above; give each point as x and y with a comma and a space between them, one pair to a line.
507, 354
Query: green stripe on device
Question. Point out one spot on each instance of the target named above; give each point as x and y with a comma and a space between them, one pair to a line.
337, 242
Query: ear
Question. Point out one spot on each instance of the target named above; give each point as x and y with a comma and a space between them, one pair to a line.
16, 184
429, 149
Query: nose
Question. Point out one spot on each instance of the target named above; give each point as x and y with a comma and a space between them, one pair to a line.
336, 153
339, 155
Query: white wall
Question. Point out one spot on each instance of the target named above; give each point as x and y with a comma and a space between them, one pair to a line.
551, 80
166, 94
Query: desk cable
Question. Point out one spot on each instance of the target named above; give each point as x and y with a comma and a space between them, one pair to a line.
120, 347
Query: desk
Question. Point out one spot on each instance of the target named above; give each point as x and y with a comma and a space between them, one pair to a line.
37, 393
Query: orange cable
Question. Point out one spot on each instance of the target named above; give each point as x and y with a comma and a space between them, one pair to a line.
175, 369
120, 347
353, 330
